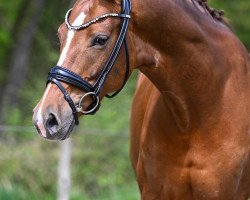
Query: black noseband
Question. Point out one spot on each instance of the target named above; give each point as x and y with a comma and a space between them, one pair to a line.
59, 74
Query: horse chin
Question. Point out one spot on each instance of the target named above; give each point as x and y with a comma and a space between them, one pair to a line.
64, 132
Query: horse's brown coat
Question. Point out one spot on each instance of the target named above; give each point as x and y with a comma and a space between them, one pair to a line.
190, 120
192, 140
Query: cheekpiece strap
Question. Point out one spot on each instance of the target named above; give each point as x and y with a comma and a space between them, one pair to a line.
67, 98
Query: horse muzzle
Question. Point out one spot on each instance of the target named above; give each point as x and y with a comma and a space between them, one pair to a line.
53, 125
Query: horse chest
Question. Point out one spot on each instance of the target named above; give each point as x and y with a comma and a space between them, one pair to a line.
174, 165
167, 172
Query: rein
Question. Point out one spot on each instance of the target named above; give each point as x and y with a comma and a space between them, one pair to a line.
60, 74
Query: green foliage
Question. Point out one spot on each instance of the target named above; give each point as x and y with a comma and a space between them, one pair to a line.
102, 168
27, 171
45, 53
99, 170
7, 18
237, 12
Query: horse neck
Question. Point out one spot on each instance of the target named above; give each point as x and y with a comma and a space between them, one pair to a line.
187, 70
168, 25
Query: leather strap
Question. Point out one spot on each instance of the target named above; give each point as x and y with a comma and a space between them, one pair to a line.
67, 98
67, 76
59, 73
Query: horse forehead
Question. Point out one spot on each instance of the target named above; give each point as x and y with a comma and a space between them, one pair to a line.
82, 6
92, 7
79, 19
76, 14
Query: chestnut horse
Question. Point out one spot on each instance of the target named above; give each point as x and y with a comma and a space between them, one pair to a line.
190, 123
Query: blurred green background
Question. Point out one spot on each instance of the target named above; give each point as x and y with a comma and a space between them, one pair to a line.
100, 167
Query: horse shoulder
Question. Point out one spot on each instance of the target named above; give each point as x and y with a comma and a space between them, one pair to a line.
140, 105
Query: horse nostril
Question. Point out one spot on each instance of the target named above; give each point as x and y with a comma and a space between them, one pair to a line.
52, 124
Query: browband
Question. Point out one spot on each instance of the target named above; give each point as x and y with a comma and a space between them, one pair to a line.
87, 24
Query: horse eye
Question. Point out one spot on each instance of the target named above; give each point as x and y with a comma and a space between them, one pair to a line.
100, 40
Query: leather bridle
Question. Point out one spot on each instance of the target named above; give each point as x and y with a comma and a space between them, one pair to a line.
60, 74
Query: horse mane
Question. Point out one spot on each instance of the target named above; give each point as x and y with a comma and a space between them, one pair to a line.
215, 13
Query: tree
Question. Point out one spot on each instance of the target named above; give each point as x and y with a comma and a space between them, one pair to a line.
20, 56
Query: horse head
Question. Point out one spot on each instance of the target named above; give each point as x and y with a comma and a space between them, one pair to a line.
93, 63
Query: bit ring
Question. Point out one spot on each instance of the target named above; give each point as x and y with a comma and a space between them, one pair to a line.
95, 98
